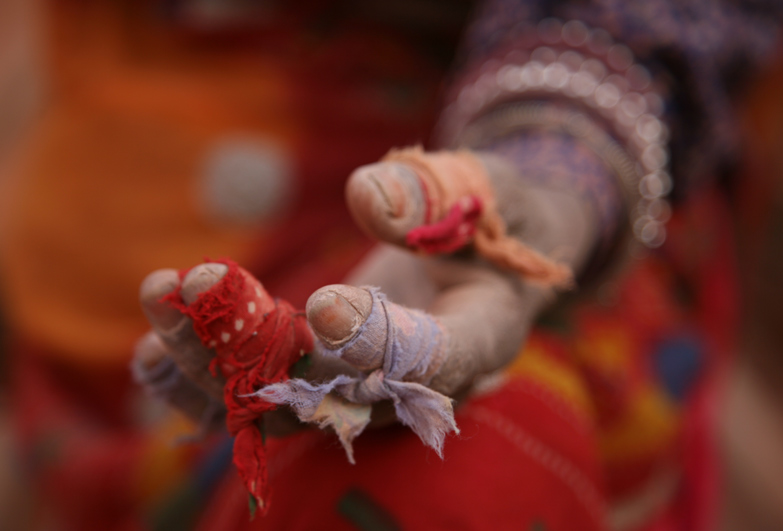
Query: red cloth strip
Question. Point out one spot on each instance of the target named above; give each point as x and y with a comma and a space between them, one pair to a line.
256, 340
452, 232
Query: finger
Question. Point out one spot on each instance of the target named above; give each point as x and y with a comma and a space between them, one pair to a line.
395, 199
442, 202
149, 353
155, 370
488, 318
369, 332
175, 329
473, 327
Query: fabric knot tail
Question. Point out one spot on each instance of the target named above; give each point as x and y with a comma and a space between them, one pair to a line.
429, 414
462, 208
250, 461
257, 340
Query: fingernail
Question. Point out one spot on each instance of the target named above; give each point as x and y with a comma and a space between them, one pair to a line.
337, 312
332, 318
157, 285
200, 279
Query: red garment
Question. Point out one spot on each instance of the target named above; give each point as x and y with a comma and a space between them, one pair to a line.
518, 463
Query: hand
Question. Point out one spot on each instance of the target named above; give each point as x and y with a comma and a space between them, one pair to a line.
484, 312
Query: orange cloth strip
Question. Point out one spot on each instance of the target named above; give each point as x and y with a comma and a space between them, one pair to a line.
450, 176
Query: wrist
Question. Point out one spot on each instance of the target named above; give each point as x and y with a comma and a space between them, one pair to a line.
547, 202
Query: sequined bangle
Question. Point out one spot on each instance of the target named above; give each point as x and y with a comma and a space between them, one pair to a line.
600, 81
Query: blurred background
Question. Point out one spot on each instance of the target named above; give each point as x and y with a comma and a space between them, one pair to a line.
136, 135
140, 134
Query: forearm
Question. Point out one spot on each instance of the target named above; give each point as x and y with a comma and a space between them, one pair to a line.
643, 94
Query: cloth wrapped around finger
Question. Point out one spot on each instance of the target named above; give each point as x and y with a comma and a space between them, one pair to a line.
461, 208
257, 340
402, 349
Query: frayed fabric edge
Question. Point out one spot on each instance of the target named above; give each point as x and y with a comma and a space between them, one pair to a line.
429, 414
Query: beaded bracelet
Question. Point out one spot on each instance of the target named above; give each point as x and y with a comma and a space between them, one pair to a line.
588, 70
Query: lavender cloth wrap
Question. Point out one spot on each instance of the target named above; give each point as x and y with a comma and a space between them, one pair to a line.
408, 346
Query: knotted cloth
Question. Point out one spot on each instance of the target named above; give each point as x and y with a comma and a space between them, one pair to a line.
403, 349
461, 207
257, 339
